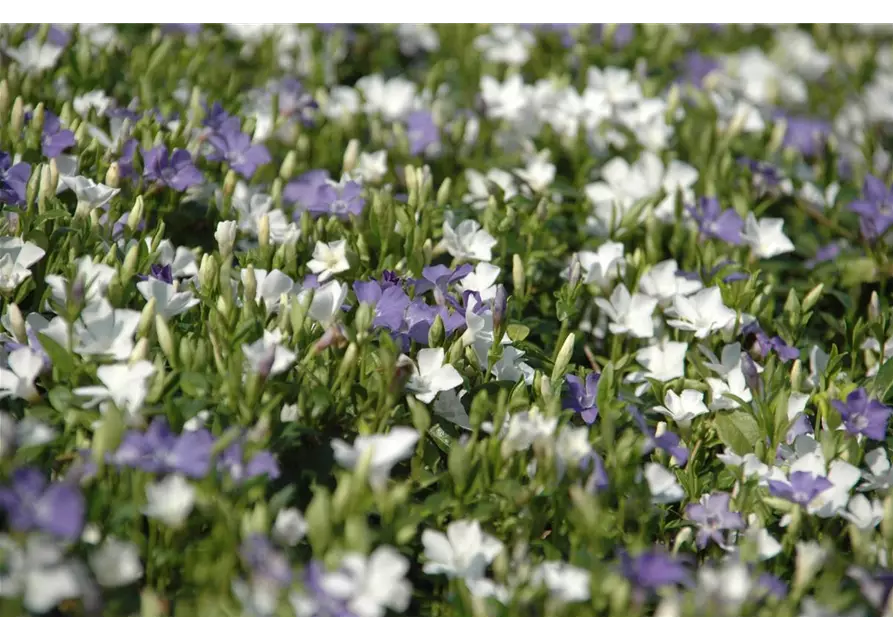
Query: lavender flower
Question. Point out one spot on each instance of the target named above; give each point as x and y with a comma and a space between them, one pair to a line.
765, 344
32, 503
304, 190
824, 254
598, 479
340, 200
231, 145
801, 489
13, 180
173, 170
159, 272
862, 416
806, 135
696, 67
157, 450
713, 222
875, 209
712, 516
261, 463
654, 569
54, 139
438, 278
265, 561
583, 396
125, 160
421, 131
666, 441
217, 118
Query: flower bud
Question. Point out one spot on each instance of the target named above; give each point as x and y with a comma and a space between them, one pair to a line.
136, 214
519, 279
140, 351
575, 273
147, 318
33, 186
113, 176
46, 189
287, 168
436, 333
17, 117
17, 323
225, 235
38, 116
249, 281
563, 358
351, 154
443, 193
263, 230
54, 174
128, 269
229, 183
777, 137
500, 300
874, 306
165, 339
4, 100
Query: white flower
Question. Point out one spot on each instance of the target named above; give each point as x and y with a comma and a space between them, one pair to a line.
180, 259
521, 429
270, 287
506, 43
504, 101
727, 586
511, 366
93, 276
662, 361
18, 380
387, 449
371, 167
767, 546
766, 237
662, 282
479, 187
482, 280
662, 484
371, 585
880, 473
96, 100
40, 574
341, 103
468, 241
431, 375
168, 301
267, 356
124, 384
464, 552
417, 37
16, 258
539, 173
225, 235
34, 56
704, 312
116, 563
392, 99
603, 266
448, 405
88, 193
752, 466
617, 86
684, 407
329, 259
822, 199
326, 302
565, 582
572, 445
103, 330
722, 390
864, 513
629, 314
479, 334
289, 527
170, 500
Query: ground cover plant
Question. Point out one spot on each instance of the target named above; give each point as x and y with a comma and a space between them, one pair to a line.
363, 320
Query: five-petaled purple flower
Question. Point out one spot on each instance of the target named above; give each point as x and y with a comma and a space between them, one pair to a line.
261, 463
654, 569
339, 200
713, 517
583, 396
13, 180
174, 170
666, 441
157, 450
875, 208
864, 416
304, 190
33, 503
714, 222
765, 344
802, 487
233, 146
806, 135
54, 139
421, 131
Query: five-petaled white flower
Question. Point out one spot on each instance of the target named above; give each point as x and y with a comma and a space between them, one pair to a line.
328, 259
124, 384
464, 552
116, 563
629, 313
170, 500
662, 281
662, 361
16, 258
327, 301
684, 407
371, 585
267, 356
103, 330
602, 266
169, 302
468, 241
704, 312
766, 236
384, 450
90, 195
565, 582
18, 380
431, 375
662, 484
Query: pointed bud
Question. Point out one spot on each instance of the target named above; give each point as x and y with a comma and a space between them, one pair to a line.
38, 117
165, 339
113, 176
147, 318
500, 300
287, 168
249, 281
128, 269
140, 351
46, 189
136, 214
225, 235
575, 273
519, 279
436, 333
351, 155
4, 100
563, 358
54, 174
17, 117
263, 230
777, 137
443, 193
229, 183
17, 323
874, 306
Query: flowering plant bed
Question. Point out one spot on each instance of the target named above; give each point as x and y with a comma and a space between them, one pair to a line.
347, 320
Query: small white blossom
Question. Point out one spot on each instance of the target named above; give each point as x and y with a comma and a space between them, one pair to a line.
508, 43
31, 55
116, 563
169, 302
684, 407
565, 582
662, 361
267, 356
289, 527
629, 313
371, 585
766, 237
704, 313
521, 429
18, 380
16, 258
329, 259
468, 241
170, 500
225, 235
90, 195
124, 384
325, 305
482, 280
431, 375
864, 513
662, 484
387, 449
464, 552
663, 282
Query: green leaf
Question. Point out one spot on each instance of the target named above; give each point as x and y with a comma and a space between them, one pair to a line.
738, 430
60, 398
63, 361
55, 214
883, 380
517, 332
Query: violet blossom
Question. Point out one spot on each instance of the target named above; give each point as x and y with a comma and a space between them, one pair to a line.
54, 139
157, 450
340, 200
875, 208
864, 416
233, 146
260, 463
421, 131
714, 222
174, 170
652, 570
31, 502
801, 488
13, 180
583, 396
667, 441
713, 517
304, 190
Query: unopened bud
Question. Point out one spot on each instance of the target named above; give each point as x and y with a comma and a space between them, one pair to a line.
33, 187
225, 235
229, 183
17, 323
207, 271
263, 230
113, 176
165, 339
46, 189
128, 269
777, 137
147, 318
443, 193
575, 273
499, 303
140, 351
54, 174
17, 117
4, 100
874, 307
351, 154
519, 280
38, 117
249, 281
563, 358
136, 214
287, 168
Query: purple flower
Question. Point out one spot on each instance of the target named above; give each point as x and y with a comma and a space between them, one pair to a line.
157, 450
713, 517
325, 603
304, 190
713, 222
622, 36
13, 180
654, 569
583, 396
772, 586
765, 344
55, 36
863, 416
293, 100
265, 561
339, 200
438, 278
217, 118
875, 209
159, 272
802, 488
54, 139
801, 426
765, 176
667, 441
420, 316
32, 503
233, 146
696, 67
598, 479
806, 135
421, 131
261, 463
828, 252
391, 309
125, 161
174, 170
